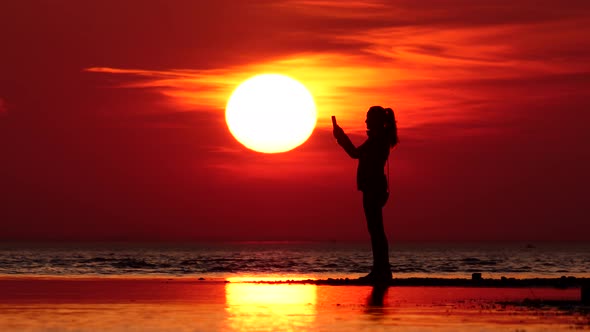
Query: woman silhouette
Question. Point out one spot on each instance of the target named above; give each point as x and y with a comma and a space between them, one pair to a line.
371, 180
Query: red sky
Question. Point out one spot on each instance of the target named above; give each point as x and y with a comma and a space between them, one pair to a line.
112, 119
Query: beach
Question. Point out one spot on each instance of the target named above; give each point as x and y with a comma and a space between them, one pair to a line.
50, 303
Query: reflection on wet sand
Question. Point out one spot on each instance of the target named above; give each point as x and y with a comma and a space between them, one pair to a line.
306, 307
376, 305
115, 304
377, 297
276, 307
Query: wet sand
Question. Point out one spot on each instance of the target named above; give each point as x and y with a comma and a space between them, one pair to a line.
187, 304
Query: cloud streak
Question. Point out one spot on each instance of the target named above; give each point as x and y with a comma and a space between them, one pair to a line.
437, 64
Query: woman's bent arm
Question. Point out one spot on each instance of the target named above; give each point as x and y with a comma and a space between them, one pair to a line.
346, 143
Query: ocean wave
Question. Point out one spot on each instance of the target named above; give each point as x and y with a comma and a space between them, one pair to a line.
477, 261
256, 259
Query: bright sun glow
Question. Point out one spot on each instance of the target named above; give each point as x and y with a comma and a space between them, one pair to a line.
271, 113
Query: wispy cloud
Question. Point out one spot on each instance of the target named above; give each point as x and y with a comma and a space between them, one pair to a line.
440, 63
333, 79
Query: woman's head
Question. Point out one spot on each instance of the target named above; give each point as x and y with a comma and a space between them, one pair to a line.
382, 120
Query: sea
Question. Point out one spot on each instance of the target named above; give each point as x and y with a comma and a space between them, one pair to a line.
296, 260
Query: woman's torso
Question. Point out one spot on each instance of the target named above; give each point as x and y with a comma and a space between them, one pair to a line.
373, 154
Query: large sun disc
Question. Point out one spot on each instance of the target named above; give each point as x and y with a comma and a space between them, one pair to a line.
271, 113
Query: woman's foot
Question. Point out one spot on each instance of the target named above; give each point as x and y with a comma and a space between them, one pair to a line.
368, 277
377, 277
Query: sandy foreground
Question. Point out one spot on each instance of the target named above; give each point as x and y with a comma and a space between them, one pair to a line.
187, 304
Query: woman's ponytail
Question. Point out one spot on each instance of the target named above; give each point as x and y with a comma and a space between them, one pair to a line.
391, 127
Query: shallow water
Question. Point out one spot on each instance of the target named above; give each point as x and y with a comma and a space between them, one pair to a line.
318, 260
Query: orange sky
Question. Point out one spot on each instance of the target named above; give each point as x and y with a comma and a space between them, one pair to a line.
112, 119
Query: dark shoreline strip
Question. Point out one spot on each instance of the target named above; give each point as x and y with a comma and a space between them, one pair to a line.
563, 282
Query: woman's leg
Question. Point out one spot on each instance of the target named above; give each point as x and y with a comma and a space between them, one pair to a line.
373, 205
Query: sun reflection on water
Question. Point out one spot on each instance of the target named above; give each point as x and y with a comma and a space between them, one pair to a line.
270, 307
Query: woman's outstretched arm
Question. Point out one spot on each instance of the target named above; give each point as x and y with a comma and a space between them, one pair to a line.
345, 142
